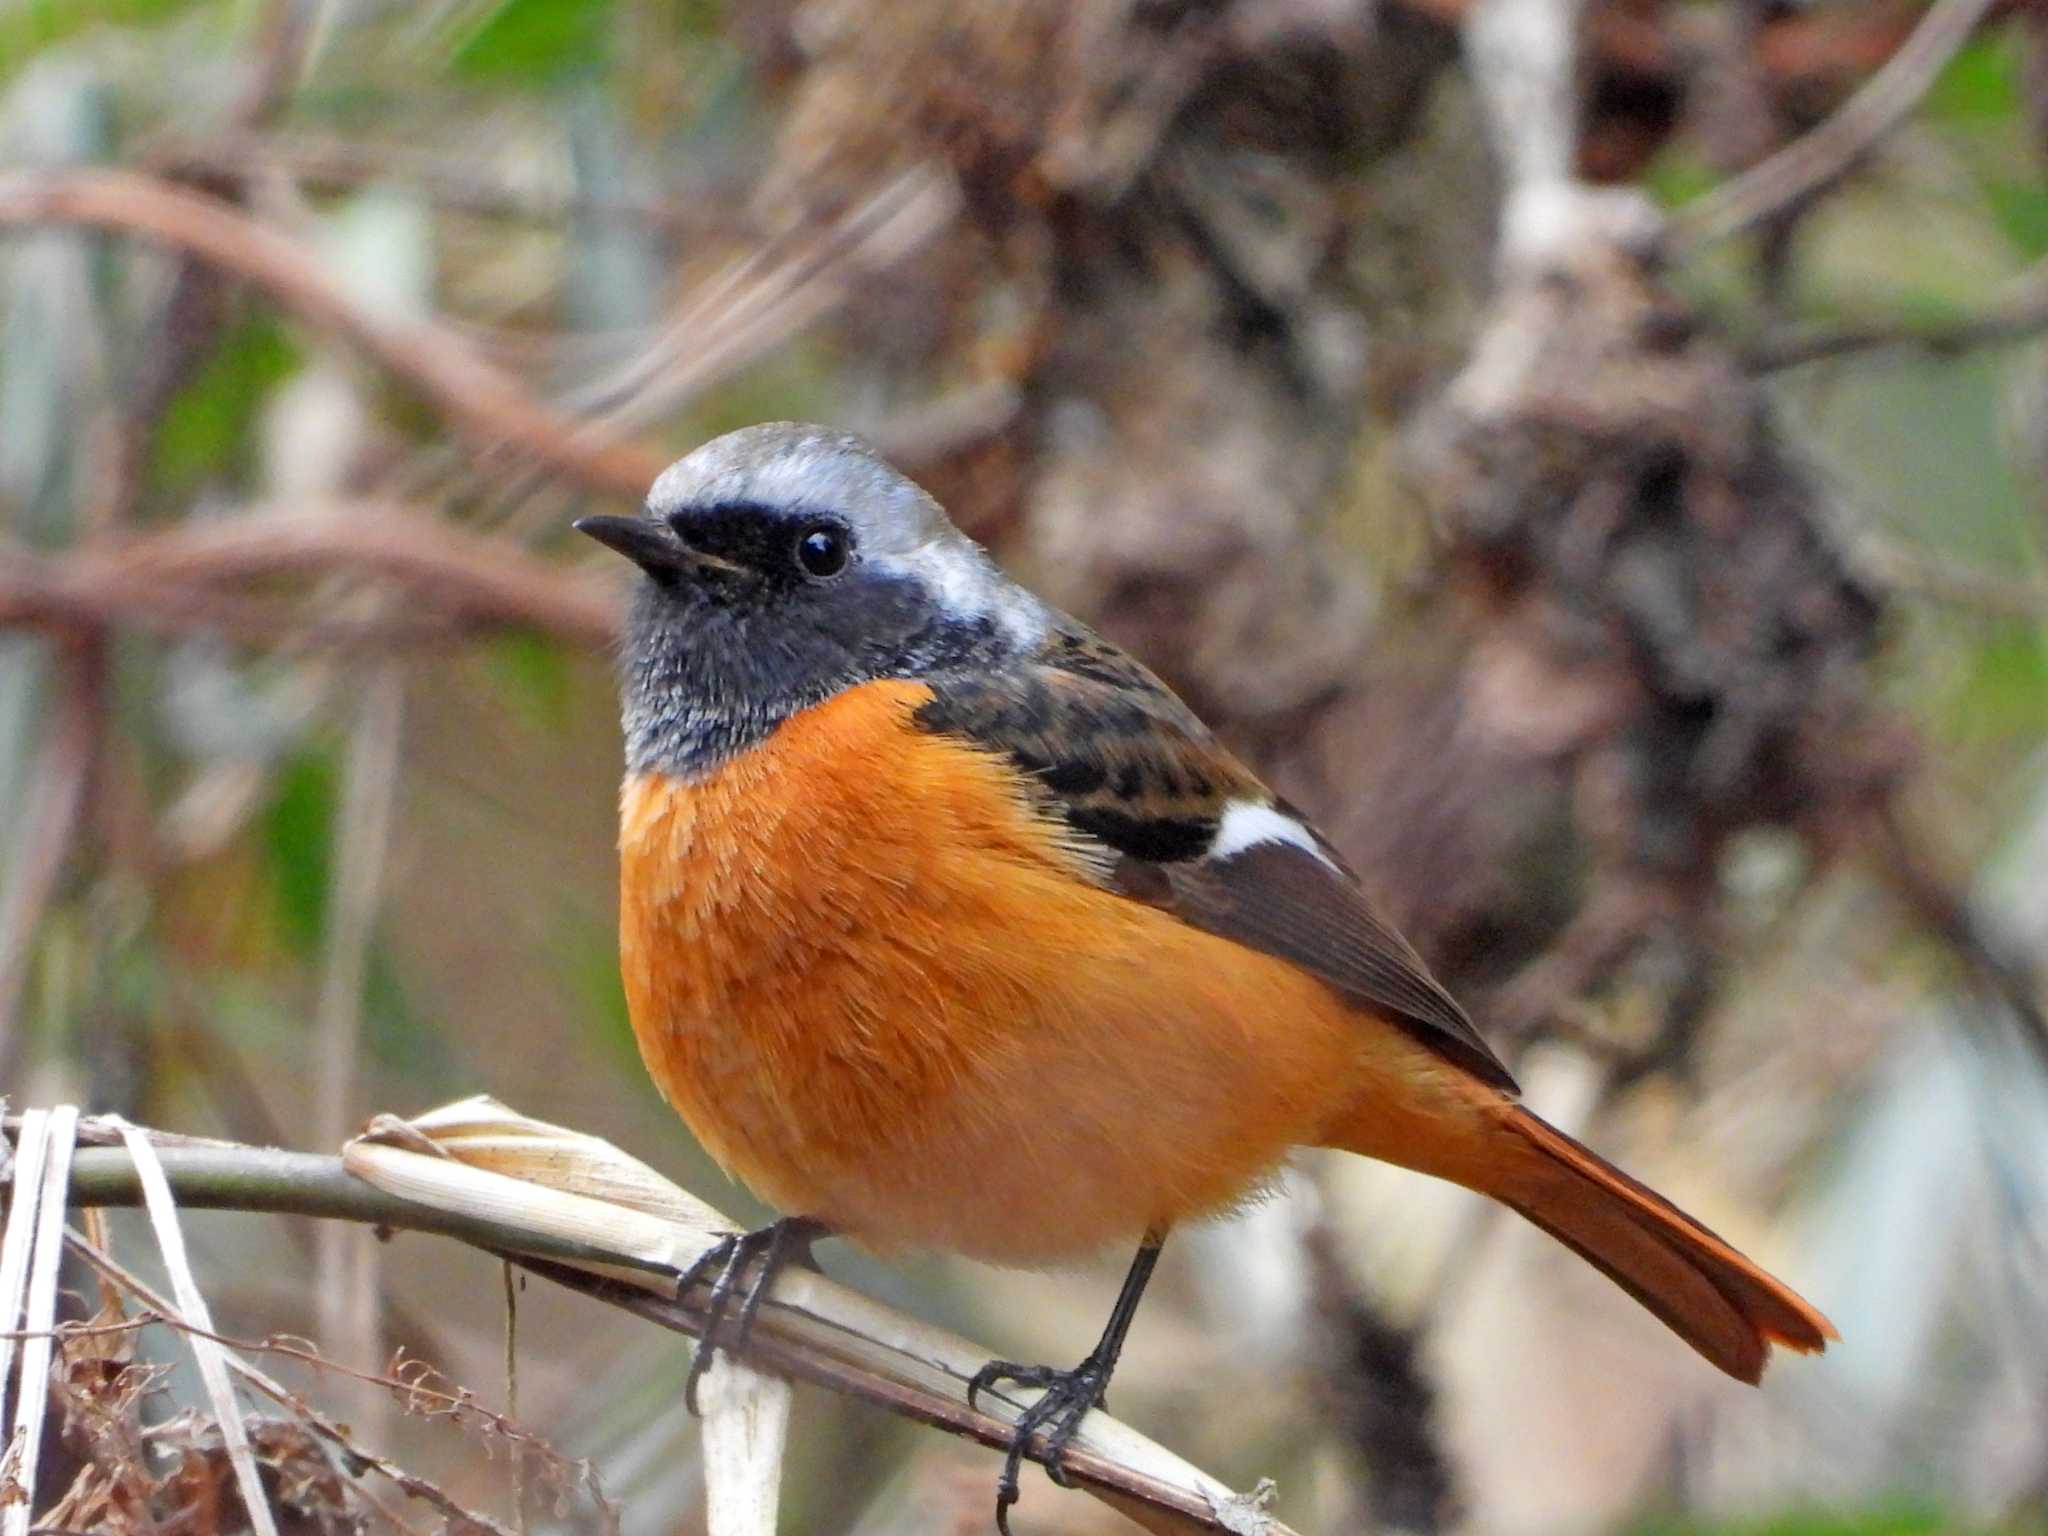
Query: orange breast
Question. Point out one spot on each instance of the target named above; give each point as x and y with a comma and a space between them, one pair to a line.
883, 992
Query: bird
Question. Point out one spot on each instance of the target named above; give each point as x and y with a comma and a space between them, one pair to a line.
947, 926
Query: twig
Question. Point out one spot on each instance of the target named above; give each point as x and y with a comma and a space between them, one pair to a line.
1120, 1486
511, 1284
186, 329
56, 809
2019, 314
280, 41
1816, 159
42, 1245
1523, 58
206, 1350
1903, 866
766, 297
1904, 566
825, 1334
489, 406
1798, 49
346, 1264
337, 1435
227, 1177
447, 182
168, 581
1522, 55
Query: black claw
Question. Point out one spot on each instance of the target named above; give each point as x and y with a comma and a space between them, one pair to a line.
774, 1246
1068, 1396
1007, 1494
995, 1371
1066, 1401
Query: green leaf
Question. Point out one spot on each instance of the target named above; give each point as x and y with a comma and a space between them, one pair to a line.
2003, 691
537, 42
298, 836
2021, 209
209, 428
1980, 85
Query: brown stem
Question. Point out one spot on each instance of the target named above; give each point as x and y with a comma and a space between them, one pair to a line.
174, 580
1817, 159
494, 410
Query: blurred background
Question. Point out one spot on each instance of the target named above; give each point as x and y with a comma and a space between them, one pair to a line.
1592, 458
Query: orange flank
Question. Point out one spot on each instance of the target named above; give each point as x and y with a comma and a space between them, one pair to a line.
888, 991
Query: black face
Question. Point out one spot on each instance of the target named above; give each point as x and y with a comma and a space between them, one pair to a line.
749, 548
750, 614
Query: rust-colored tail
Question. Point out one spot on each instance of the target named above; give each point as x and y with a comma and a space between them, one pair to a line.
1720, 1303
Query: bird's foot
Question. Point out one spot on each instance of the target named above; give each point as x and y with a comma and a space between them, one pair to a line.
1068, 1397
766, 1252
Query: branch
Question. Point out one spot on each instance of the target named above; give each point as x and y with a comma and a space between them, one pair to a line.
60, 792
229, 1177
410, 1386
173, 581
1903, 865
527, 1192
449, 181
2018, 315
489, 406
1523, 60
1523, 57
1817, 159
1802, 49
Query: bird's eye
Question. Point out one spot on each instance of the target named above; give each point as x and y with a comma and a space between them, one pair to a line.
821, 551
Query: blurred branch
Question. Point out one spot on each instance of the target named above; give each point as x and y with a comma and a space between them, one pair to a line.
1523, 59
767, 296
226, 1176
1800, 47
1823, 156
2019, 314
414, 1391
186, 329
1907, 567
946, 424
495, 410
330, 165
1386, 1398
280, 44
346, 1261
60, 794
1905, 867
1136, 1494
175, 580
812, 1330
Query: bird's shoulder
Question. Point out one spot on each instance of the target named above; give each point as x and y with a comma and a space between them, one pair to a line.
1180, 823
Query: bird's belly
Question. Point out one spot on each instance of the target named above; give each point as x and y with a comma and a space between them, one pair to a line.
897, 1005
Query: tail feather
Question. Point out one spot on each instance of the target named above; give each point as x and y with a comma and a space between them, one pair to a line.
1720, 1303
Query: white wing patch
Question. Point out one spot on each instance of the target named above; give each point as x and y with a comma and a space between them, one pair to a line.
1247, 823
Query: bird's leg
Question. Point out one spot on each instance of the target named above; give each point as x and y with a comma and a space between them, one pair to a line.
1068, 1395
768, 1251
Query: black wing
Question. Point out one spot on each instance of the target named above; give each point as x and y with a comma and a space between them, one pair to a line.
1130, 768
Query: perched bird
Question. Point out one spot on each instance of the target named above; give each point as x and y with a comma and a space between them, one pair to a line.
946, 925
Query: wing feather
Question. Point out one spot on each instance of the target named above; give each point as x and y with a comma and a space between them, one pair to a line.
1285, 900
1131, 769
